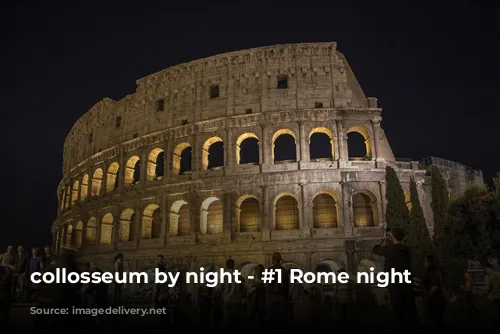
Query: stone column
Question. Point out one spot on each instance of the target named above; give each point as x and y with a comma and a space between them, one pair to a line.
104, 184
304, 144
265, 147
347, 208
164, 221
144, 168
121, 170
229, 158
227, 213
137, 224
168, 163
305, 222
376, 134
265, 222
342, 143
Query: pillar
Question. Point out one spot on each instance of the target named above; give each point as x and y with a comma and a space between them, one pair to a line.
382, 202
227, 213
376, 135
144, 168
304, 144
347, 209
164, 221
121, 170
137, 224
342, 141
265, 222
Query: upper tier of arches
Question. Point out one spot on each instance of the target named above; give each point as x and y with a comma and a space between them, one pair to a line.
260, 80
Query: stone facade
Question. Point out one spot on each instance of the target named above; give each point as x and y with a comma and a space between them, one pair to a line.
313, 211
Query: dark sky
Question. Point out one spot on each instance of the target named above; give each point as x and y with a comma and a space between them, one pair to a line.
434, 70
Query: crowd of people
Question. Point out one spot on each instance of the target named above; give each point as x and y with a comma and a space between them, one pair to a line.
249, 301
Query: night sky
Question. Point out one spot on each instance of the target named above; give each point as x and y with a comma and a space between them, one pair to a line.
434, 71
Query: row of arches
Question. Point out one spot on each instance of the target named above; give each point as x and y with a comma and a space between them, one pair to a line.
247, 217
247, 151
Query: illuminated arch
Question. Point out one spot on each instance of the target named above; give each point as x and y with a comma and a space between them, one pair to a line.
328, 266
74, 192
78, 235
212, 216
180, 219
365, 265
97, 182
179, 151
290, 265
132, 170
151, 222
286, 212
365, 209
112, 177
126, 233
155, 164
325, 210
329, 134
106, 229
366, 135
91, 231
248, 213
239, 142
205, 159
279, 133
84, 188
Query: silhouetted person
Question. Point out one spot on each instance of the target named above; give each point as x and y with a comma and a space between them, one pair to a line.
7, 258
433, 291
233, 294
119, 269
21, 265
160, 296
402, 296
49, 258
35, 264
6, 281
468, 289
257, 297
277, 294
344, 299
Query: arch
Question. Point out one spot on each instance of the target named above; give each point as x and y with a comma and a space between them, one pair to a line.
248, 213
247, 149
69, 236
317, 142
365, 265
84, 188
97, 182
290, 265
328, 266
181, 161
408, 200
325, 210
133, 170
360, 130
74, 192
212, 216
67, 203
279, 149
180, 219
106, 229
246, 269
156, 164
151, 222
286, 212
208, 161
91, 231
127, 220
365, 211
78, 235
112, 177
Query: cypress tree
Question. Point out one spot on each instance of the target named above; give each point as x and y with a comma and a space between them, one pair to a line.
439, 204
418, 233
396, 213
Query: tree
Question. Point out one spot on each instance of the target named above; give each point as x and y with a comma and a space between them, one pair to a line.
418, 233
396, 213
440, 196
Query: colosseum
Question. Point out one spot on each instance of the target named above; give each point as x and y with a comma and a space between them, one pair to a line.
235, 156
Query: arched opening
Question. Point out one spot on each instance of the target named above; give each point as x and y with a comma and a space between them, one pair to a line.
365, 265
151, 222
286, 212
247, 269
180, 219
127, 219
78, 235
247, 149
97, 182
156, 164
91, 231
133, 170
213, 153
212, 215
325, 211
74, 192
68, 197
106, 229
328, 266
284, 146
69, 235
84, 188
321, 146
408, 200
112, 177
290, 265
248, 213
358, 144
364, 206
182, 159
